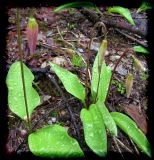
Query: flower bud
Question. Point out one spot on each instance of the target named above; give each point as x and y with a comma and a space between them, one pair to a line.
101, 54
32, 33
138, 64
129, 84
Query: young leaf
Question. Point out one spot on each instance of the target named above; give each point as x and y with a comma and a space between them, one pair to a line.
129, 84
108, 120
144, 6
131, 129
53, 141
15, 90
70, 81
124, 12
94, 130
104, 80
141, 49
73, 5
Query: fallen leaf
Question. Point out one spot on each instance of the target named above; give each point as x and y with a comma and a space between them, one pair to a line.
138, 116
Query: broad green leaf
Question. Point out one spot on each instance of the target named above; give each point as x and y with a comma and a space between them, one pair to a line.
70, 81
131, 129
53, 141
73, 5
141, 49
104, 80
107, 118
94, 130
14, 82
122, 11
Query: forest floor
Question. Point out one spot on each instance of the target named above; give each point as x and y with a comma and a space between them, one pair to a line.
71, 29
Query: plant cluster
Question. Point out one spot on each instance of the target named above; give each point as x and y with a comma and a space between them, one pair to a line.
53, 140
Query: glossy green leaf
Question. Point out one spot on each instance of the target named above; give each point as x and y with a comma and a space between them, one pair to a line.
107, 118
122, 11
53, 141
141, 49
70, 81
14, 82
94, 130
74, 5
104, 80
131, 129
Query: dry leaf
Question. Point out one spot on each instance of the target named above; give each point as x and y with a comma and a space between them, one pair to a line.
137, 116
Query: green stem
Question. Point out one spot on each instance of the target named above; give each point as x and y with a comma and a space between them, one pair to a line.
22, 70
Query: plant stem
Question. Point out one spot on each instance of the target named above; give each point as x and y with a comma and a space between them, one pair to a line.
87, 75
119, 60
97, 87
22, 70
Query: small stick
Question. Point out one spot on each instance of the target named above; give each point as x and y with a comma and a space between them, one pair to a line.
132, 38
114, 139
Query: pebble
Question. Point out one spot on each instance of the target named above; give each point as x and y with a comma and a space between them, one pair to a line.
80, 50
54, 119
50, 122
113, 58
121, 70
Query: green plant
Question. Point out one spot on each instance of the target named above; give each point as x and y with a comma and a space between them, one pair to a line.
140, 49
96, 117
52, 140
144, 76
123, 11
144, 7
120, 86
74, 5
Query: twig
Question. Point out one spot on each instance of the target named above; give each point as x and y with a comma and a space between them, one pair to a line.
123, 145
136, 150
132, 38
118, 23
115, 141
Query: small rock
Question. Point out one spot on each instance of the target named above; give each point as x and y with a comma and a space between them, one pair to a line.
80, 50
121, 70
50, 122
113, 58
59, 60
106, 53
54, 119
95, 46
23, 133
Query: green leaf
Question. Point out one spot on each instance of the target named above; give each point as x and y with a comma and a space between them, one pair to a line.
73, 5
140, 49
14, 82
70, 81
104, 80
94, 130
144, 6
53, 141
122, 11
131, 129
107, 118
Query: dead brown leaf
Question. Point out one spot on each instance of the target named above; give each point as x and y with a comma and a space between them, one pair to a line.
137, 116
